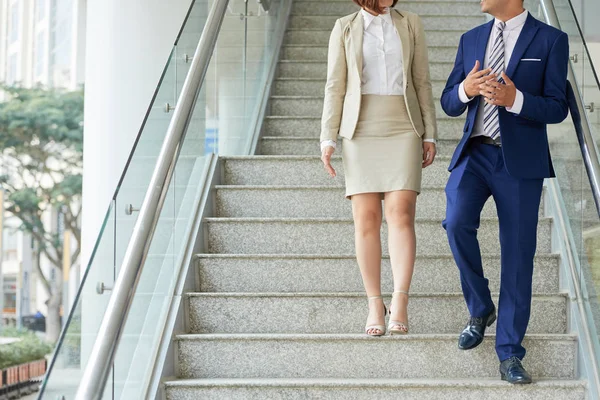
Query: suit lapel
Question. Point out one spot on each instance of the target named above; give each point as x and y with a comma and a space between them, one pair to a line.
482, 41
401, 24
527, 34
356, 28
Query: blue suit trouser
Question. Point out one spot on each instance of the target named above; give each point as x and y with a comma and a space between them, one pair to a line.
481, 173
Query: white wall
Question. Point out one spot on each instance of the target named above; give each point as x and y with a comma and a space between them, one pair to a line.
127, 46
128, 42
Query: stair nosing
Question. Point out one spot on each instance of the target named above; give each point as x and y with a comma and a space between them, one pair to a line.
316, 117
291, 256
556, 297
316, 139
329, 220
287, 187
362, 382
450, 337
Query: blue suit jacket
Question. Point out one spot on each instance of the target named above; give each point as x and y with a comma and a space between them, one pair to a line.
543, 83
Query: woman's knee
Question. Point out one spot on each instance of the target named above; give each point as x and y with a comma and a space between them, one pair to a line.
367, 220
400, 216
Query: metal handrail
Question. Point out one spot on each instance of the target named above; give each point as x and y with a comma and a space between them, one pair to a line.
101, 358
592, 166
584, 135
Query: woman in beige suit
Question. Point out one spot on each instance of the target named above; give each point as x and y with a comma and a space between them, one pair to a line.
378, 98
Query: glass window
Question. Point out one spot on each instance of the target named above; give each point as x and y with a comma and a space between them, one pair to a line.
14, 22
60, 57
40, 46
40, 9
11, 76
10, 294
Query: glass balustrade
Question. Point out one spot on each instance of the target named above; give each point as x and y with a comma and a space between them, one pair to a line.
223, 122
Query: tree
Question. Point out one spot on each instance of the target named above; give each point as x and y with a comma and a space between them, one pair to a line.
41, 162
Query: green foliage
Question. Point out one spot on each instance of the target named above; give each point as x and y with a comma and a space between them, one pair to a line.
41, 154
28, 348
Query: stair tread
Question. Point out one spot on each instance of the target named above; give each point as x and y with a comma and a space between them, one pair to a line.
374, 382
283, 187
559, 296
357, 336
336, 256
316, 138
324, 220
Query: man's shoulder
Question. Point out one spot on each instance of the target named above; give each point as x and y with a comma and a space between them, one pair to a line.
548, 30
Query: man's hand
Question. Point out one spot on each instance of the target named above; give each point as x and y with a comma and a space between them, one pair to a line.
498, 93
326, 158
476, 78
429, 152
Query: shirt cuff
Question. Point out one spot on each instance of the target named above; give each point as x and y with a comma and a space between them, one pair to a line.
462, 95
429, 140
518, 104
326, 143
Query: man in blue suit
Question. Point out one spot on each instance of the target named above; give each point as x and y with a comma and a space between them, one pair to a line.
510, 76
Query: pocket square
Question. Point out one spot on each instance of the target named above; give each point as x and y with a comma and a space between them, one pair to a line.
531, 59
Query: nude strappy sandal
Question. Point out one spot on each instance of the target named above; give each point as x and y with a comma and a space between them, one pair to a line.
397, 327
381, 328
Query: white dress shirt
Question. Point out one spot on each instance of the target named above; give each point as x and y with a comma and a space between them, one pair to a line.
382, 69
511, 34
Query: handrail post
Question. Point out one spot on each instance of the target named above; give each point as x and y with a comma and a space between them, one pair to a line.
585, 138
101, 358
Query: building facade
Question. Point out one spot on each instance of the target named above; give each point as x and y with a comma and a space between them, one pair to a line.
42, 42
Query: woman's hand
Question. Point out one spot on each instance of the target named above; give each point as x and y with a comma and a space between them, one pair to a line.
326, 158
429, 152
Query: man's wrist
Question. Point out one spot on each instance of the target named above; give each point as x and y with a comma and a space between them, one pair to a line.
462, 94
517, 105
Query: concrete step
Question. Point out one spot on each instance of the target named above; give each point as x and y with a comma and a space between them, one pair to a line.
301, 146
309, 36
457, 8
301, 106
293, 86
338, 273
304, 126
327, 236
313, 202
306, 171
351, 356
430, 22
318, 70
369, 389
346, 312
319, 53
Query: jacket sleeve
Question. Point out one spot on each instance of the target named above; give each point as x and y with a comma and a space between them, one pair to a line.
422, 80
551, 107
335, 88
451, 103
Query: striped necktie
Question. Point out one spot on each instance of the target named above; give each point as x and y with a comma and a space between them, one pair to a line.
491, 123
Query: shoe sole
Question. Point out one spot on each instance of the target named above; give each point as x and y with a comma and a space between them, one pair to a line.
519, 382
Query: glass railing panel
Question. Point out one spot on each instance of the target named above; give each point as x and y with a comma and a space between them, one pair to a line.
582, 225
75, 343
222, 122
565, 150
72, 355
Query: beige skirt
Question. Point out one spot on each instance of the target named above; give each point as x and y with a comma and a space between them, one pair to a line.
385, 153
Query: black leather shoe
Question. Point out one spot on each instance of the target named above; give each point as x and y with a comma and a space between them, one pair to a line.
472, 335
512, 371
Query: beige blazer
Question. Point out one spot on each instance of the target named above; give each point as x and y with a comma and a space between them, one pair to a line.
344, 76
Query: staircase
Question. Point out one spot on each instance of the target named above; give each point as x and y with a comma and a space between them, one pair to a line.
280, 310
